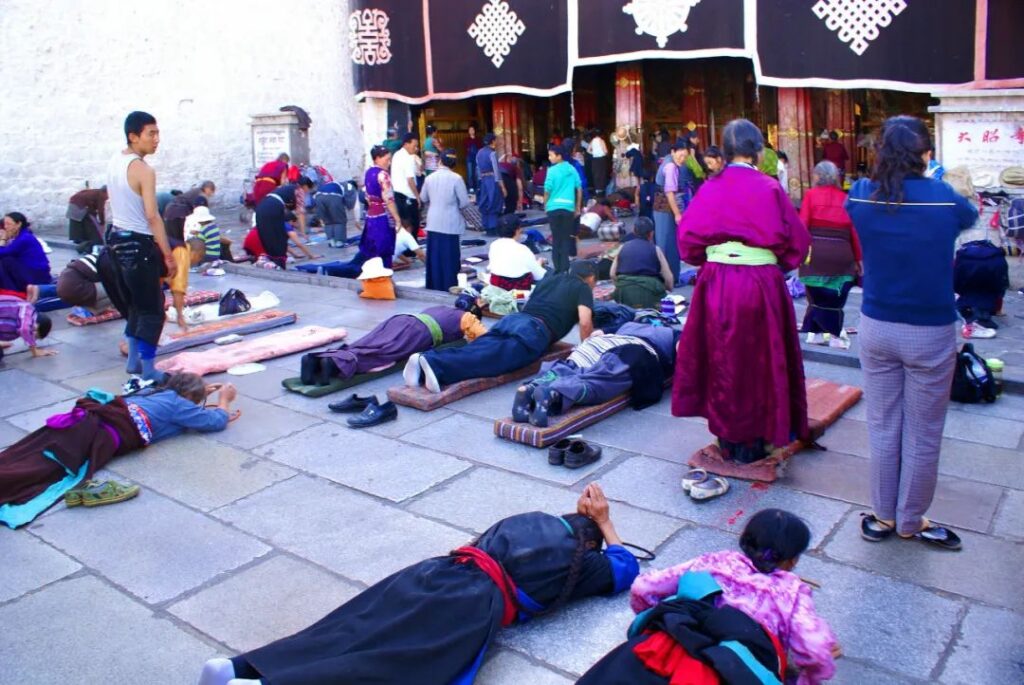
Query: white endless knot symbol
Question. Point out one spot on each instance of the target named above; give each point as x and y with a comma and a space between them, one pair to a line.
496, 29
857, 21
370, 37
660, 18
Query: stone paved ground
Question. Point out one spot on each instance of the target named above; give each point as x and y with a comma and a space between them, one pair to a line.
248, 535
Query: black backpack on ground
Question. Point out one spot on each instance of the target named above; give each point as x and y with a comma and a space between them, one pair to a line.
234, 301
973, 381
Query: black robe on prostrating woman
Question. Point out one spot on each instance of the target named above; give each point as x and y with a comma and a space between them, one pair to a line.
431, 623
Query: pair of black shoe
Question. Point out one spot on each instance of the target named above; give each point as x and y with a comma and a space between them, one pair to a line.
573, 453
535, 403
370, 411
315, 370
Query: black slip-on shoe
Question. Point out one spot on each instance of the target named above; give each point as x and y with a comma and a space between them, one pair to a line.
308, 368
374, 414
353, 403
874, 529
522, 405
556, 453
937, 536
580, 454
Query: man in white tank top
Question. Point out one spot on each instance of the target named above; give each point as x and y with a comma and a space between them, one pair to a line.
138, 244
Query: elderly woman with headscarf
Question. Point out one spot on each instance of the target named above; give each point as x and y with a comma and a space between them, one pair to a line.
445, 194
490, 199
739, 364
835, 259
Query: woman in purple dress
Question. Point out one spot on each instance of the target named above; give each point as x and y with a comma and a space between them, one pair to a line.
739, 363
379, 231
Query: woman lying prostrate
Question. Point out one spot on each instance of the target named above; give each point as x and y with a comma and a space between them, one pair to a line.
759, 582
431, 623
39, 469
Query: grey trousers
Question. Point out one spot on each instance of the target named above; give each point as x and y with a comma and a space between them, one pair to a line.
908, 373
606, 379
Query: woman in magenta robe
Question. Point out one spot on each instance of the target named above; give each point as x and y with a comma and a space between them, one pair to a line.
739, 363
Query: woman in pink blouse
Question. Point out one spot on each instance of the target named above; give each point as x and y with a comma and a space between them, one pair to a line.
759, 581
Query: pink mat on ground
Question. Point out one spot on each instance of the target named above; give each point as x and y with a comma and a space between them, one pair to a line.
276, 345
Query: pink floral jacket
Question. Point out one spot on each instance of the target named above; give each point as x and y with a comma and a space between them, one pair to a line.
779, 601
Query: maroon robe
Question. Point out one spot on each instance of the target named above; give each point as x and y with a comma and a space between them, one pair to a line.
739, 363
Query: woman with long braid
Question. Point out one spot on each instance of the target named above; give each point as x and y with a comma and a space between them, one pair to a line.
432, 622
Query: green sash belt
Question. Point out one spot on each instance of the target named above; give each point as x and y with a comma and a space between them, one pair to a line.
736, 253
433, 326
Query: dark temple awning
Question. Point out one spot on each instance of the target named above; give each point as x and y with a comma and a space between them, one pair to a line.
420, 50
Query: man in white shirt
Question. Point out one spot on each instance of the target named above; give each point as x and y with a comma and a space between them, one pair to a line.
404, 170
601, 163
407, 250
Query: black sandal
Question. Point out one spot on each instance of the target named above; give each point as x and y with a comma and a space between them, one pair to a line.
873, 529
938, 536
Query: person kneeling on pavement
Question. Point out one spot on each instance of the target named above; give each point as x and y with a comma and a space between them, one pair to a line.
636, 359
18, 319
558, 303
980, 279
640, 271
80, 284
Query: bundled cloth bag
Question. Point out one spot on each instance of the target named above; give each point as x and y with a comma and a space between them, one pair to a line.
377, 283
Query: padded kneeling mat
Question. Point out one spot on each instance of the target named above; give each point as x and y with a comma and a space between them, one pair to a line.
424, 400
257, 350
196, 297
242, 324
826, 402
339, 384
561, 426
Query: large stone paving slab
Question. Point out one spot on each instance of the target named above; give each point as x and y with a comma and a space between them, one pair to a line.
364, 461
988, 464
850, 672
152, 547
200, 472
990, 649
69, 362
84, 631
1010, 521
592, 626
510, 668
858, 605
958, 502
650, 434
655, 484
260, 423
31, 391
265, 385
9, 434
28, 564
852, 435
348, 532
485, 496
110, 379
473, 438
984, 570
273, 599
35, 418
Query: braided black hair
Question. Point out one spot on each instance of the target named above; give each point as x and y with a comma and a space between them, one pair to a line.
773, 536
905, 140
588, 537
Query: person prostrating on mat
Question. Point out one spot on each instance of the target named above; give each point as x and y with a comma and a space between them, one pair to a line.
432, 623
558, 302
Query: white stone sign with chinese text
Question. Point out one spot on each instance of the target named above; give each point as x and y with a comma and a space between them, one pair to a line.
981, 129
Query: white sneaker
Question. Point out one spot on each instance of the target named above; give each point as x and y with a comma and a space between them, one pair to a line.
815, 339
217, 671
839, 343
976, 330
412, 374
429, 378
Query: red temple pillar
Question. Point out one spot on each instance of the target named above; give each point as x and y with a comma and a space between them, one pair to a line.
796, 137
629, 96
584, 108
695, 105
505, 123
839, 114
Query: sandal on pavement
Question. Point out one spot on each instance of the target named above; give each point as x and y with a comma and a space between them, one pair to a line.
73, 497
938, 536
874, 529
110, 492
709, 488
692, 477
